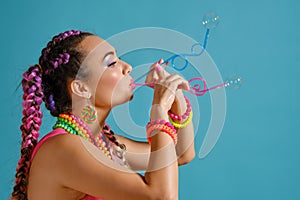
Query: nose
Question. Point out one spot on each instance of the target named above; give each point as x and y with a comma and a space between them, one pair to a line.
126, 68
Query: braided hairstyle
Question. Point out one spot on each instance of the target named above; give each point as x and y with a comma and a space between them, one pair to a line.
32, 100
47, 81
61, 61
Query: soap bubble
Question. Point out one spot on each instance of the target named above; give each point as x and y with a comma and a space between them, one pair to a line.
211, 20
233, 82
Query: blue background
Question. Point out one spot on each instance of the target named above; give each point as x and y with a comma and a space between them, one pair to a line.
257, 155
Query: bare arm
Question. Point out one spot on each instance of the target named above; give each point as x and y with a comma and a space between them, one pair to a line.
77, 164
138, 152
185, 146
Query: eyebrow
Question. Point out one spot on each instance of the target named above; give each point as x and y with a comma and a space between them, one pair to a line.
108, 53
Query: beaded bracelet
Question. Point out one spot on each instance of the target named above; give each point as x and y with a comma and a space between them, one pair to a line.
163, 122
185, 115
163, 128
179, 125
161, 125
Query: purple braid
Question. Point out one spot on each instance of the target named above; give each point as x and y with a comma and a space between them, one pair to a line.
60, 56
50, 103
63, 58
32, 120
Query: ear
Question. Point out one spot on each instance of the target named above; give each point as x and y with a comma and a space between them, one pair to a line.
80, 88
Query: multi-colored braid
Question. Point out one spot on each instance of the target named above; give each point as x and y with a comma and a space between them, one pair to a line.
111, 136
53, 61
63, 57
53, 87
32, 120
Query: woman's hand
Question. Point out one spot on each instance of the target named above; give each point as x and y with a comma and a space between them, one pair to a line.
153, 77
165, 88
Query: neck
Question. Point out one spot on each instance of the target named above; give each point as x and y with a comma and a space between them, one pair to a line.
97, 125
102, 114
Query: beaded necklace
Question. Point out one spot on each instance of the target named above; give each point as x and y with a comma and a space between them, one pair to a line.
74, 125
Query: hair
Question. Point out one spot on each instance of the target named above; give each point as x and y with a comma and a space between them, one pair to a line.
32, 99
47, 81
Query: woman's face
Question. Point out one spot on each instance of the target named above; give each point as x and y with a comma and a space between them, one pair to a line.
109, 77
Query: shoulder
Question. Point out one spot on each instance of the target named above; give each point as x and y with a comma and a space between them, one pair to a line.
53, 149
67, 152
59, 147
72, 162
62, 156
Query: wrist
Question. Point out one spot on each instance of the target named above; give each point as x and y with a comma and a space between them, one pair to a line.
183, 119
179, 106
158, 112
155, 126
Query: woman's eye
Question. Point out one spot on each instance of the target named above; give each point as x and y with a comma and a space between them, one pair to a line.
112, 64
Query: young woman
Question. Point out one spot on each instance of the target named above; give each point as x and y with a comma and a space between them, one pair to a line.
80, 79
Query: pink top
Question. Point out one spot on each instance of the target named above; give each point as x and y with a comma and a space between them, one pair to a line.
53, 133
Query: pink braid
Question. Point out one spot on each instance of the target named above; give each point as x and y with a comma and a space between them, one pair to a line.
32, 120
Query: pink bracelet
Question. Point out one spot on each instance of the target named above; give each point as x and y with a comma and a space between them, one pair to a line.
185, 115
160, 121
161, 125
163, 128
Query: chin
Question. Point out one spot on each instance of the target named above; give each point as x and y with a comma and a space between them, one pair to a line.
116, 103
129, 98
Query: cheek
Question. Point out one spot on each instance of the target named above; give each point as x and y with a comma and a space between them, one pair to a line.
107, 85
110, 80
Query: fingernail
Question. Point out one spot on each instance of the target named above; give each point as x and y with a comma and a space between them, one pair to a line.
157, 67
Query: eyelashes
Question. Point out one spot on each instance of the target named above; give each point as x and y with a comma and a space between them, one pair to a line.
113, 63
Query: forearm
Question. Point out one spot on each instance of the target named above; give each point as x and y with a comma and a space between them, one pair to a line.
185, 145
162, 170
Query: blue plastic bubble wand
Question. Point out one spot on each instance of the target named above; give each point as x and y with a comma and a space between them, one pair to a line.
171, 59
210, 21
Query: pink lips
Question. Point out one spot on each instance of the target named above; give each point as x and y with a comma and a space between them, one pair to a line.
132, 85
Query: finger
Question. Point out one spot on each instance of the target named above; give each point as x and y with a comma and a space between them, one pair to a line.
160, 61
185, 84
181, 84
160, 72
172, 77
152, 75
154, 64
152, 71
